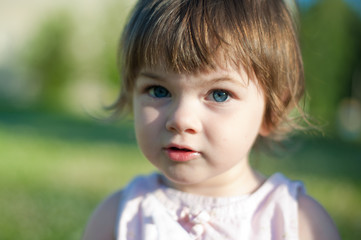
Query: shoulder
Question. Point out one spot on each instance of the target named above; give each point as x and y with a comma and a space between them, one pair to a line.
102, 223
314, 221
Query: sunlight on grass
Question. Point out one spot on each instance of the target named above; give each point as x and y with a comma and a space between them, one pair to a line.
50, 185
75, 164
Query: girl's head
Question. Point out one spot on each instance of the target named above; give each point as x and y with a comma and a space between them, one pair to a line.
190, 36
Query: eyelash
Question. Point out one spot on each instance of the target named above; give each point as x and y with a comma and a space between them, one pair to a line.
148, 90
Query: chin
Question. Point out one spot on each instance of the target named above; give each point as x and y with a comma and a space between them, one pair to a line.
184, 183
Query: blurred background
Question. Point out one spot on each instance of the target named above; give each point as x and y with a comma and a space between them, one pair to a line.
58, 71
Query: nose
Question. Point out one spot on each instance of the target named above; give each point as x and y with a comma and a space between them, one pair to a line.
184, 117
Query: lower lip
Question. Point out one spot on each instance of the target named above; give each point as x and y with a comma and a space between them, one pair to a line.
181, 156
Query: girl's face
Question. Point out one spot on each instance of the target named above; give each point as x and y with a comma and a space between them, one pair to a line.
198, 129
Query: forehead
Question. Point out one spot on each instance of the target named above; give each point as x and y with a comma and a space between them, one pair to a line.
219, 73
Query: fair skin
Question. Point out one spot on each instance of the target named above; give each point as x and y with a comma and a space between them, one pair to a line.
185, 126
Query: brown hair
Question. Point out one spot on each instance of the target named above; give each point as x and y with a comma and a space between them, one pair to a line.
186, 36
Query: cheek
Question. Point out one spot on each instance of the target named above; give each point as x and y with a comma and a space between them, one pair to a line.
145, 116
236, 132
147, 125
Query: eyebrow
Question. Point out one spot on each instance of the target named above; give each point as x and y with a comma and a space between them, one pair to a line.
152, 76
225, 78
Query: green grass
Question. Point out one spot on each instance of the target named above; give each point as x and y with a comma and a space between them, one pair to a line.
55, 169
51, 181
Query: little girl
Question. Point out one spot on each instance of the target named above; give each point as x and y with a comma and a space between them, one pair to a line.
205, 80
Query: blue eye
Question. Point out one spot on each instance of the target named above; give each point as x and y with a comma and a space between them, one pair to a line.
220, 95
158, 92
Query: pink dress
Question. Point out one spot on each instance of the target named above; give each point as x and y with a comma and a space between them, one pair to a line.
150, 210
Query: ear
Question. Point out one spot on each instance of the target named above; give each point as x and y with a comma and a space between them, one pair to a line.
265, 129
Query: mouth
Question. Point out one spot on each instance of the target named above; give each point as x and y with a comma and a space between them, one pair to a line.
180, 153
180, 149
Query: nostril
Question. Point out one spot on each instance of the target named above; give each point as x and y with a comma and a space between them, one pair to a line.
191, 131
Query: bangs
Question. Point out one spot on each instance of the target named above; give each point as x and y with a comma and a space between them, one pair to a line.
184, 36
191, 36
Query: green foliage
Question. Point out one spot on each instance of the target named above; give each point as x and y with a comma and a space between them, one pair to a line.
330, 36
48, 60
112, 26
